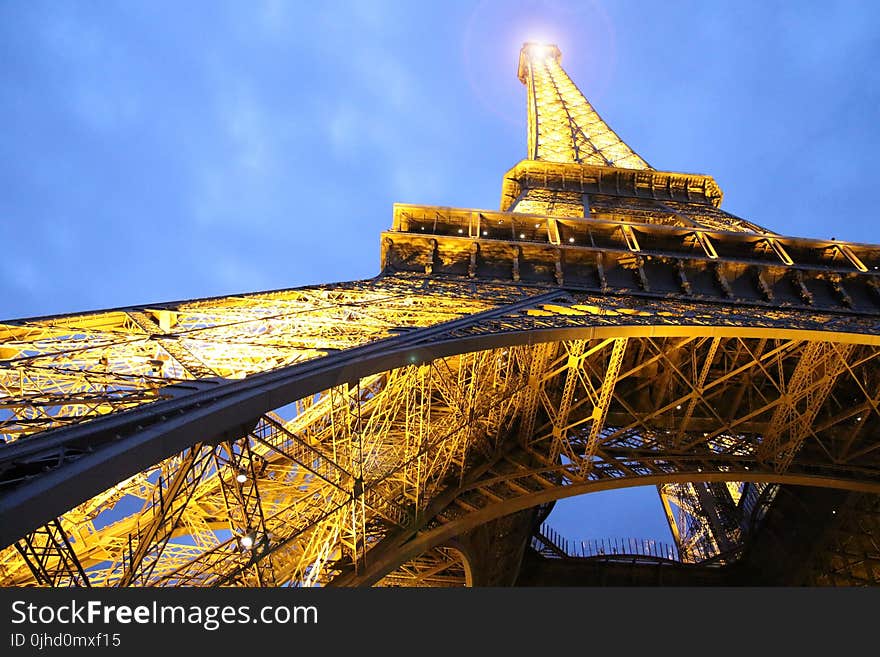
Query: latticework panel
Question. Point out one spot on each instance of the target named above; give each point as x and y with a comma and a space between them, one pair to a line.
563, 126
310, 492
69, 369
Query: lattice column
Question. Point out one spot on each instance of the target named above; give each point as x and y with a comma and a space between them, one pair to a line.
51, 558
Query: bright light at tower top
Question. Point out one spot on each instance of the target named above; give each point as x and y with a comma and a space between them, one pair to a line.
536, 53
540, 51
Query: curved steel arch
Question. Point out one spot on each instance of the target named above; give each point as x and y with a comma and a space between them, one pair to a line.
449, 564
580, 341
109, 449
410, 545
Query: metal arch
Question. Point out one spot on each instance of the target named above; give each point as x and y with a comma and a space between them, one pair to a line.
222, 415
446, 565
410, 546
562, 369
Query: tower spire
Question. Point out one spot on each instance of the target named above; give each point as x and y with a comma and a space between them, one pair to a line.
563, 126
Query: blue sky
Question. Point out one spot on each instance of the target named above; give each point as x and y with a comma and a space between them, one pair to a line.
164, 150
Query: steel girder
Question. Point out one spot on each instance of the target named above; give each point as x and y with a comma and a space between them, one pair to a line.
443, 428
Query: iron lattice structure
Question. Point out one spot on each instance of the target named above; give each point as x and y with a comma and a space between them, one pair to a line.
610, 326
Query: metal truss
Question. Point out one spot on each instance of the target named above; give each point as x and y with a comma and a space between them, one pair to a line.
440, 567
563, 126
610, 327
65, 370
441, 447
705, 520
50, 557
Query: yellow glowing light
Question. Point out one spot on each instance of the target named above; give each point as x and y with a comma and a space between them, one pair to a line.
540, 51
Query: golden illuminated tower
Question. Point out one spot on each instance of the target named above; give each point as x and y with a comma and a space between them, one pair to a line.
610, 326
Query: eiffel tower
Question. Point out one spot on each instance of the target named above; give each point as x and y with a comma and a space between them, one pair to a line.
609, 326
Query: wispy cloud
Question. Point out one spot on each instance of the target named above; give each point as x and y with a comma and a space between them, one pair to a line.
234, 177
